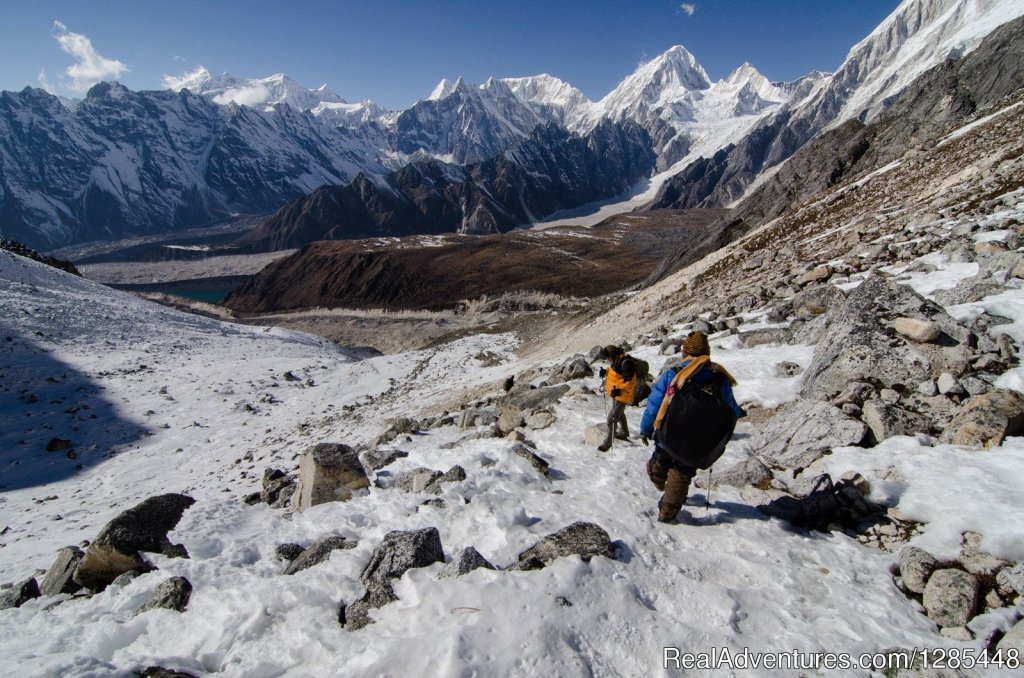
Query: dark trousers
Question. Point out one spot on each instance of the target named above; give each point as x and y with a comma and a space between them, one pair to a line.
616, 418
672, 478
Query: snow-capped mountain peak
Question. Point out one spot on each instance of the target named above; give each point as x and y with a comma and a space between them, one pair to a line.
671, 77
258, 93
443, 89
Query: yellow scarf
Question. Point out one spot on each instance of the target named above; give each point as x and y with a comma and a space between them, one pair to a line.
677, 383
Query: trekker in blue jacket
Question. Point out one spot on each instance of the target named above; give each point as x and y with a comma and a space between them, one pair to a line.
669, 475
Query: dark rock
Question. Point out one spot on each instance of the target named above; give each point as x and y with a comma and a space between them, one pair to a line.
171, 594
466, 560
58, 445
288, 551
119, 546
400, 552
58, 578
274, 482
456, 474
378, 459
161, 672
576, 367
536, 462
19, 594
318, 553
584, 539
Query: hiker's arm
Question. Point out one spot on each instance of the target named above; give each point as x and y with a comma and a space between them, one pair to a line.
654, 403
730, 400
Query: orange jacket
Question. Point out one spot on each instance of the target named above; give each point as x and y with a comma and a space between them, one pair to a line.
614, 380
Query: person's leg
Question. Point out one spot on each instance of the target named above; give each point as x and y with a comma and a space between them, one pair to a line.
657, 470
613, 416
677, 487
623, 426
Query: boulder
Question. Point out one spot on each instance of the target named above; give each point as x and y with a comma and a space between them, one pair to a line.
787, 369
576, 367
540, 420
948, 385
416, 480
536, 462
916, 566
58, 578
951, 597
886, 421
594, 435
274, 481
328, 472
126, 578
171, 594
119, 546
751, 471
771, 335
805, 486
288, 551
466, 560
510, 417
814, 301
987, 419
583, 539
375, 460
161, 672
320, 551
1013, 640
857, 345
816, 274
922, 331
531, 399
398, 553
1011, 580
456, 474
19, 594
805, 431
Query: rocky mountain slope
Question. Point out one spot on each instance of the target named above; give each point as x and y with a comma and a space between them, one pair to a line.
440, 272
867, 505
917, 36
549, 170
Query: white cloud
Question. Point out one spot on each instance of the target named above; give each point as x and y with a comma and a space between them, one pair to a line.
689, 8
250, 95
192, 80
90, 66
44, 82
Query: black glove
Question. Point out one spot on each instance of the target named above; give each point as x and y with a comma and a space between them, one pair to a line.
616, 392
602, 372
645, 441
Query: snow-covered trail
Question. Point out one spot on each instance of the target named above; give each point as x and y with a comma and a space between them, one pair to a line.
733, 579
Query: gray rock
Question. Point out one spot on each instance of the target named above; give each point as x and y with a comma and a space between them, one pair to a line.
948, 385
171, 594
318, 553
357, 615
274, 481
1013, 640
961, 633
535, 398
58, 578
987, 419
584, 539
119, 546
916, 566
950, 597
787, 369
975, 386
857, 345
774, 335
536, 462
540, 420
751, 471
126, 578
803, 487
886, 421
378, 459
466, 560
928, 388
416, 480
856, 392
161, 672
805, 431
1011, 580
816, 274
288, 551
923, 331
284, 497
576, 367
814, 301
19, 594
328, 472
510, 417
594, 435
400, 552
456, 474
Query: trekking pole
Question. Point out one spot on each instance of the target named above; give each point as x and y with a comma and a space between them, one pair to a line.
707, 500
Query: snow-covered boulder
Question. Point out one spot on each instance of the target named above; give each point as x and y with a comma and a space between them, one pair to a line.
328, 472
119, 546
466, 560
172, 594
523, 450
583, 539
320, 551
19, 594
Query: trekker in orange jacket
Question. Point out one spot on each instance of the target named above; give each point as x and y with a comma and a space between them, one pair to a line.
620, 383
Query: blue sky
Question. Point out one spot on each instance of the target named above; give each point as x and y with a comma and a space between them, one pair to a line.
394, 52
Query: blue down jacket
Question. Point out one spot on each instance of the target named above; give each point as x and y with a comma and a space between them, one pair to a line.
658, 394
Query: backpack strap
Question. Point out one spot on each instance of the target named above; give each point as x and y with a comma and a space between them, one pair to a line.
681, 376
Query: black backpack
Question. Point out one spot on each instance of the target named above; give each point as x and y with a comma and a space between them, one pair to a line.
643, 377
697, 424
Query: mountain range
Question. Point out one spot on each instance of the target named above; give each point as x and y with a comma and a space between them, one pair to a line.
122, 163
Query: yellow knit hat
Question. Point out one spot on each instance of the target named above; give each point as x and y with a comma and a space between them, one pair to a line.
695, 344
